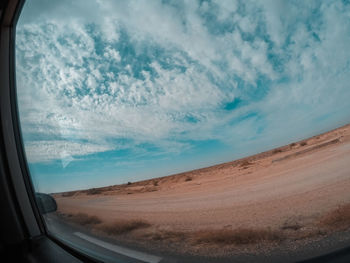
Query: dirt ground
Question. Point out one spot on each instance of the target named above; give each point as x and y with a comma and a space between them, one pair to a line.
292, 185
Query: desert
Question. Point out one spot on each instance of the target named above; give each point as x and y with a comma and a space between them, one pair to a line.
300, 191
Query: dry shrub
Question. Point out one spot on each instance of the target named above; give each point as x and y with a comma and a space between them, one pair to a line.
303, 143
237, 236
276, 151
291, 226
188, 178
155, 183
93, 191
337, 219
68, 194
292, 144
172, 236
123, 226
83, 219
246, 163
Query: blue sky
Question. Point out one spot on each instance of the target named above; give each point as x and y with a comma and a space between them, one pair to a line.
118, 91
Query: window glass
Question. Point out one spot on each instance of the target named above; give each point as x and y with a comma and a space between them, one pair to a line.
188, 130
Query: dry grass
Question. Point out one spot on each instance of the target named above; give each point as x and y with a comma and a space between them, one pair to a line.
82, 219
115, 228
294, 227
245, 163
170, 236
291, 225
123, 226
337, 219
309, 234
218, 237
238, 236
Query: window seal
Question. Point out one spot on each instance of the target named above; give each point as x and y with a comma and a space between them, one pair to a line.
17, 173
14, 154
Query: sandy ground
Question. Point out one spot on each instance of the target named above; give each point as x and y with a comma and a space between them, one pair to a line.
294, 183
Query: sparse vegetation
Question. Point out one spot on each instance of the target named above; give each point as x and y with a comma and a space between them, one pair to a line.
171, 236
276, 151
123, 226
222, 235
291, 226
219, 237
68, 194
303, 143
115, 228
93, 191
245, 163
337, 219
311, 233
82, 219
238, 236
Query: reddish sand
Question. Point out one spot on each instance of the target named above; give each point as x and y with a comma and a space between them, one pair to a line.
292, 183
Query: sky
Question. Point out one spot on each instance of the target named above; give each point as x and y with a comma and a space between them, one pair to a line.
117, 91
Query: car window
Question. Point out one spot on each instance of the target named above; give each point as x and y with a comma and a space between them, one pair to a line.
188, 130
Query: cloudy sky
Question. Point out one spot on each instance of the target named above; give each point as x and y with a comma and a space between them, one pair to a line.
118, 91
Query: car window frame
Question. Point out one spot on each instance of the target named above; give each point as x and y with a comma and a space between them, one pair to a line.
28, 227
13, 160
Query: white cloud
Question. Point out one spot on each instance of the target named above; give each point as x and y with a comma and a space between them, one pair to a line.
72, 87
111, 53
46, 151
226, 8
